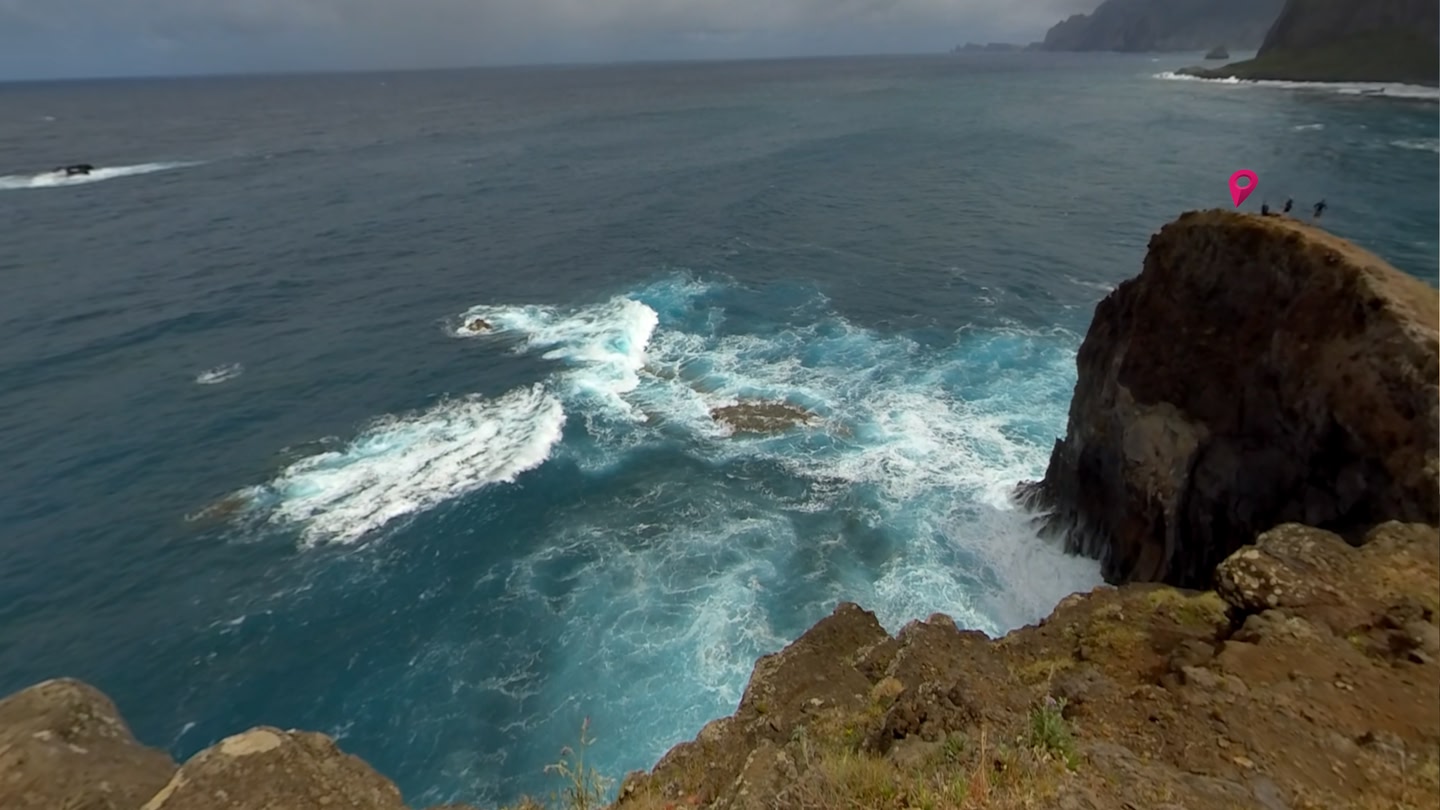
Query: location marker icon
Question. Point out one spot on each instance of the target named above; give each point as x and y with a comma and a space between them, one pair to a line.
1239, 191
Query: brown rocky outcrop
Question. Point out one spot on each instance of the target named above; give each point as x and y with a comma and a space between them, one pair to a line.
63, 744
1142, 696
267, 768
1258, 371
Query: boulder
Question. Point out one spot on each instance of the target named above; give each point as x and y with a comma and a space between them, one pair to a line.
63, 744
1259, 371
266, 768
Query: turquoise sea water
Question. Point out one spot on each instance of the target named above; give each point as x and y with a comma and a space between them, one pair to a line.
255, 472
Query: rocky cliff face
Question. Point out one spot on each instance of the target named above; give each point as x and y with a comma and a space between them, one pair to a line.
1165, 25
1258, 371
1316, 23
1144, 696
1348, 40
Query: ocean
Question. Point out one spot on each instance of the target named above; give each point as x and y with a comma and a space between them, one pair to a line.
257, 472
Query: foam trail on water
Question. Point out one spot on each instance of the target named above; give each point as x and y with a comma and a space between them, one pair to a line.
219, 374
58, 179
1420, 144
402, 465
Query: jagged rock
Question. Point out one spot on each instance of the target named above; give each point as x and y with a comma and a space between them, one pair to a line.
64, 745
820, 665
1258, 371
266, 768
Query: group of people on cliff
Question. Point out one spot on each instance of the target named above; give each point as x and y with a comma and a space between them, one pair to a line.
1319, 208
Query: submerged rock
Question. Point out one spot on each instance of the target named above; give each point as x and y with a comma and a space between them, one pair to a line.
1259, 371
761, 417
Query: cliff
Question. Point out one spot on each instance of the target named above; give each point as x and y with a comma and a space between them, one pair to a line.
1347, 40
1308, 680
1255, 362
1258, 371
1165, 25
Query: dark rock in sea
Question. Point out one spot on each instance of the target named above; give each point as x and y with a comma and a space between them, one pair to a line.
1258, 371
1348, 41
761, 417
1218, 53
1164, 25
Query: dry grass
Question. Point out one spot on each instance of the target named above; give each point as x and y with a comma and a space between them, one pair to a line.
1202, 610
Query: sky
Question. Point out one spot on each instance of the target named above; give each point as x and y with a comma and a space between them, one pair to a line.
95, 38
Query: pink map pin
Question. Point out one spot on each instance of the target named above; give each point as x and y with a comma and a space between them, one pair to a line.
1238, 193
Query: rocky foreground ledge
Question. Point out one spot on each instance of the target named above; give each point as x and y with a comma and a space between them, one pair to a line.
1258, 375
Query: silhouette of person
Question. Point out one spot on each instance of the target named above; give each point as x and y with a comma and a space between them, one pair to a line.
1319, 209
1288, 203
1265, 209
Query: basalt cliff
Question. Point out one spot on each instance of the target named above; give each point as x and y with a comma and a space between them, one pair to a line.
1347, 40
1255, 416
1164, 25
1259, 371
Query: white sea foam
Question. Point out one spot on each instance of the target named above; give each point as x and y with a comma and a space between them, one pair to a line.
1421, 144
219, 374
1377, 89
402, 465
602, 346
57, 179
1308, 127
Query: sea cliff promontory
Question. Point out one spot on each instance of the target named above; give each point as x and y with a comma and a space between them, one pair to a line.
1347, 41
1257, 376
1258, 371
1164, 25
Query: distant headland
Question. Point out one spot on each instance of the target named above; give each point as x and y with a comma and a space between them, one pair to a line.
1346, 41
1164, 25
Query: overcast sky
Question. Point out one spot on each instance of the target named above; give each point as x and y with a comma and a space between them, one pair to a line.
55, 38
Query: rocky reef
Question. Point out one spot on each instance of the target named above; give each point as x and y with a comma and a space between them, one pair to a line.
1347, 41
1258, 371
1164, 25
1258, 375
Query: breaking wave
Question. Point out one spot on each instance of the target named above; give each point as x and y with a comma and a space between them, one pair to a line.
403, 465
58, 179
1377, 89
1420, 144
677, 552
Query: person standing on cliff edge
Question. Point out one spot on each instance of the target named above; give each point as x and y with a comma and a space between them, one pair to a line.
1319, 209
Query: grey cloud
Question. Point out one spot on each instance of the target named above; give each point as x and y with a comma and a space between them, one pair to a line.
392, 32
